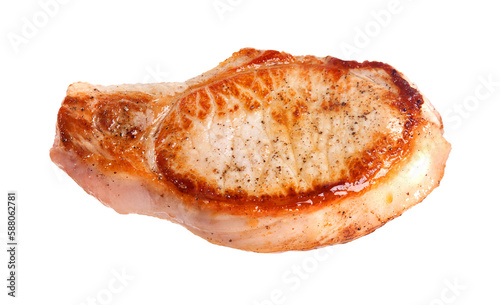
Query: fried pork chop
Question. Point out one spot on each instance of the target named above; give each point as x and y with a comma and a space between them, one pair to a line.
267, 152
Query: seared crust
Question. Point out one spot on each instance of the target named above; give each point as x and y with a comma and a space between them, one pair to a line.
262, 144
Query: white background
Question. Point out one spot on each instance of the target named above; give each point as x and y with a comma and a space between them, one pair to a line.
71, 248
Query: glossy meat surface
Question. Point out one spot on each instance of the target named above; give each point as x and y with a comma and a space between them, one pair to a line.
266, 152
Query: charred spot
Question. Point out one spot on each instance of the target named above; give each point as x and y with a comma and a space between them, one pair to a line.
410, 123
409, 98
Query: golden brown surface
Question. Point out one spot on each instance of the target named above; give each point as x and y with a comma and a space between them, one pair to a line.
265, 134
